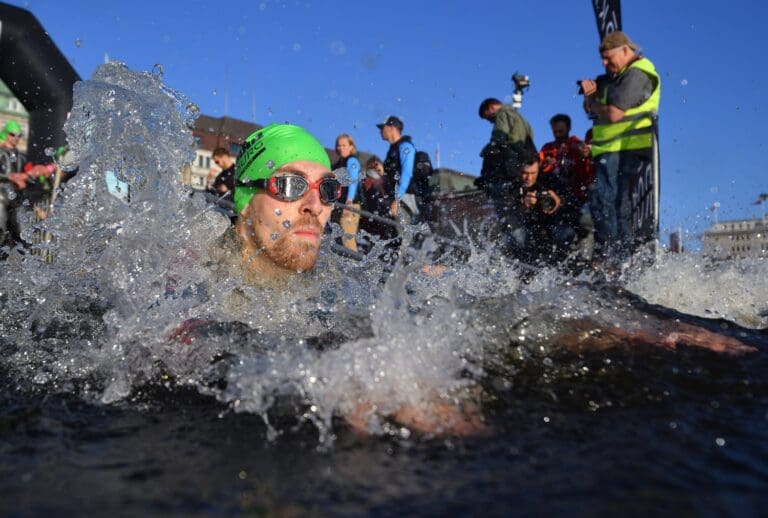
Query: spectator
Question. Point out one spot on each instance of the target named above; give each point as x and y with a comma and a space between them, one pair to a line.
508, 125
511, 135
565, 156
12, 160
21, 177
224, 183
623, 108
399, 162
347, 151
548, 214
348, 220
375, 200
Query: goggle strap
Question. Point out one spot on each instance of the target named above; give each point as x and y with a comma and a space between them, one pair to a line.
253, 184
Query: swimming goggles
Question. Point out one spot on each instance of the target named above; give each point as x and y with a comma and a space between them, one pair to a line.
292, 187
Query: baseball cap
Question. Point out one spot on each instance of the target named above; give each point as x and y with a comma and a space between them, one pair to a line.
616, 39
391, 121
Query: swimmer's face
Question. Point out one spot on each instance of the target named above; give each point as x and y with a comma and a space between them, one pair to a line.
289, 233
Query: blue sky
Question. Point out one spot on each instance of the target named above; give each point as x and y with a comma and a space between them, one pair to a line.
338, 67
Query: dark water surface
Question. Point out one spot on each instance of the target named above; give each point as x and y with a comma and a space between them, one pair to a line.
629, 433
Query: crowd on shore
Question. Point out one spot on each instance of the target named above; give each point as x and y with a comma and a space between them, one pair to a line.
548, 200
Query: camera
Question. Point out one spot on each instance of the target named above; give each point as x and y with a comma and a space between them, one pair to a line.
581, 88
521, 82
544, 199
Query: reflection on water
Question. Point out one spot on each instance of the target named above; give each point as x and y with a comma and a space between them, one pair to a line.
101, 411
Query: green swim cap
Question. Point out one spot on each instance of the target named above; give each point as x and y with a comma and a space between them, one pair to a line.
10, 127
270, 148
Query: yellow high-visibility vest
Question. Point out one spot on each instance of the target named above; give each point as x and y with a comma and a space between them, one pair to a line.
635, 130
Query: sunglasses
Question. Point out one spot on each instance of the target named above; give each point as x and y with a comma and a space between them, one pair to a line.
292, 187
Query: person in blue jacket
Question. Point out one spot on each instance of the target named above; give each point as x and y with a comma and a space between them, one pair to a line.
347, 151
400, 159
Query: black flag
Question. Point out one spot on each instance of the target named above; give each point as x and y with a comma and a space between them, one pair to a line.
607, 15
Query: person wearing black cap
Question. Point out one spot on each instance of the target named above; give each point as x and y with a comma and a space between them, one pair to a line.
400, 159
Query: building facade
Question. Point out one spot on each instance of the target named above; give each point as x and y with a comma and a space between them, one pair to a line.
737, 239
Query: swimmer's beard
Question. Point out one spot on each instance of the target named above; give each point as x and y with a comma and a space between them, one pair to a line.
280, 258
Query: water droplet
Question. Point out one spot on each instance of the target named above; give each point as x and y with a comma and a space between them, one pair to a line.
684, 82
720, 441
215, 92
270, 164
278, 212
78, 42
274, 236
287, 224
157, 70
297, 47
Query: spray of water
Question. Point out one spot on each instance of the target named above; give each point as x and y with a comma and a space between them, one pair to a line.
104, 318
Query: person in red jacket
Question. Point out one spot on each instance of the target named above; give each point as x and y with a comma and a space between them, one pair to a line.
565, 157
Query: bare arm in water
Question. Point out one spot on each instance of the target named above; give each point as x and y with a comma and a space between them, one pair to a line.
590, 335
628, 319
435, 417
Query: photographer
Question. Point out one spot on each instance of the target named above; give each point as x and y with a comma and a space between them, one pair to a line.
511, 135
548, 213
623, 105
508, 125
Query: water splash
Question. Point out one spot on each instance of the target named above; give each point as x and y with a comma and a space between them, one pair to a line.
128, 273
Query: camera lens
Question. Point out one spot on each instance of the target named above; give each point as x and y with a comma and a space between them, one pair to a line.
547, 202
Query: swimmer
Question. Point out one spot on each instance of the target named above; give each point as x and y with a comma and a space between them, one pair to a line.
283, 175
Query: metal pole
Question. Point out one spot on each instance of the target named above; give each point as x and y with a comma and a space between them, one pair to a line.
371, 215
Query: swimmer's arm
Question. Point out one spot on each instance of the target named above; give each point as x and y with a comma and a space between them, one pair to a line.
435, 417
591, 335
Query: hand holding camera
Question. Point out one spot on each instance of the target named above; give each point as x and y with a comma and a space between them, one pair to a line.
587, 87
548, 201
